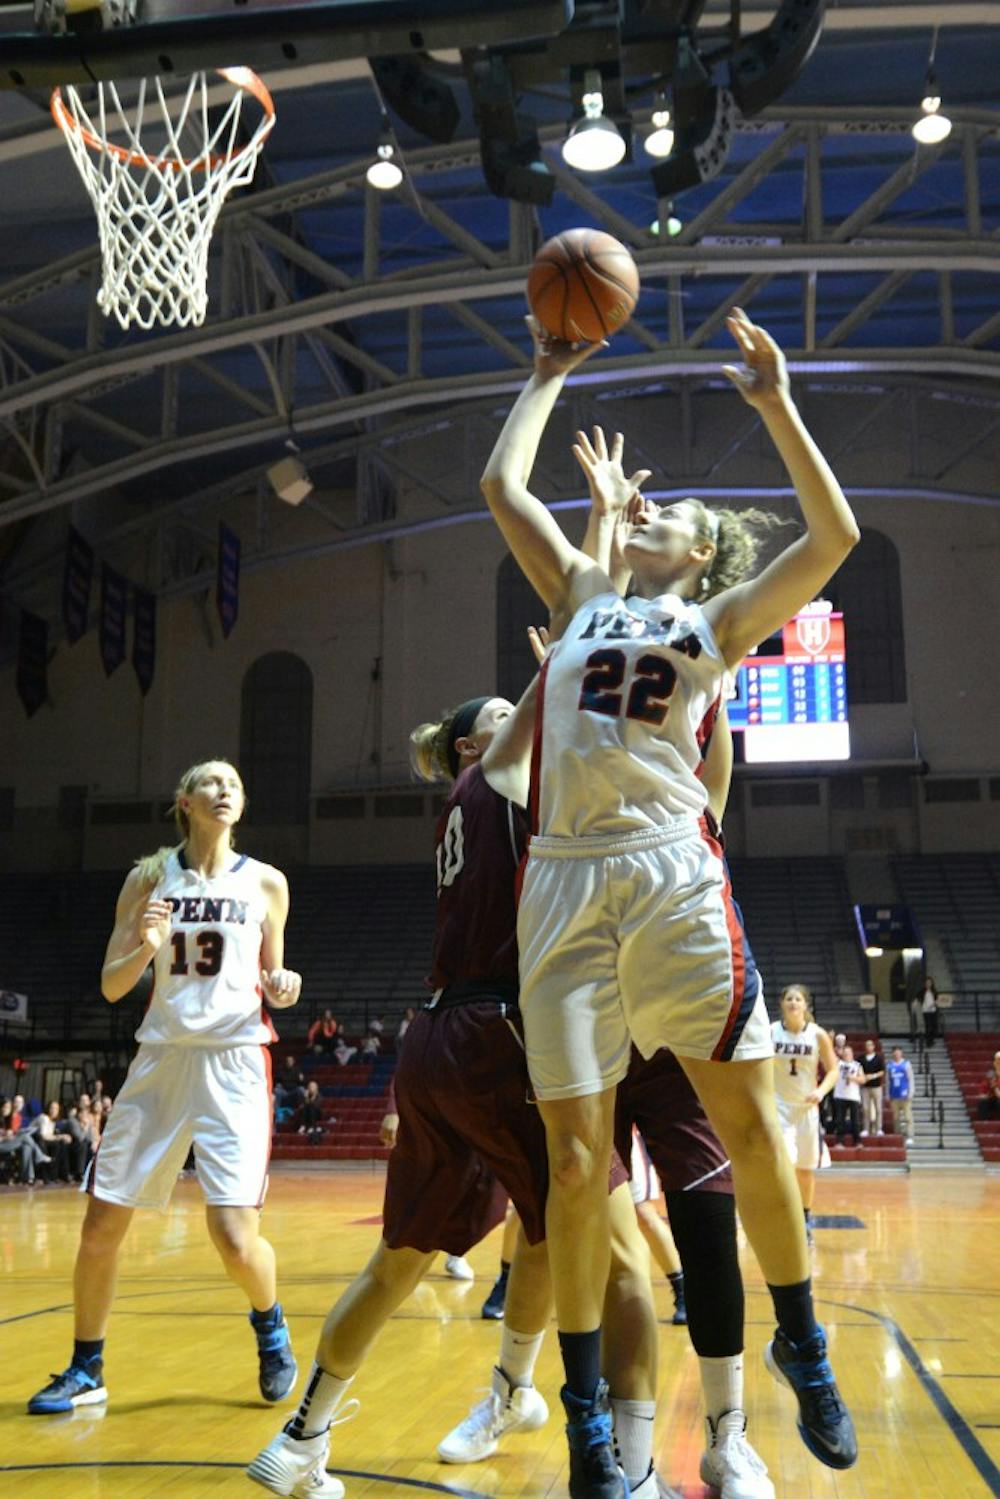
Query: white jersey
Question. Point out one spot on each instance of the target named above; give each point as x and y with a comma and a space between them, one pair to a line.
206, 976
626, 698
796, 1062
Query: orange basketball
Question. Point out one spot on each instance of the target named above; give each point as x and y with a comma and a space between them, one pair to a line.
583, 284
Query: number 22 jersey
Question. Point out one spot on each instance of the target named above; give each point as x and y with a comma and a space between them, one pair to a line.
206, 976
627, 699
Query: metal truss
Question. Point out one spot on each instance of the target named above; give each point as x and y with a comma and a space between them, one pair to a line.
297, 342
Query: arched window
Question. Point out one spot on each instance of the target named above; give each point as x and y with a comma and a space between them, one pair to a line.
276, 738
867, 589
518, 606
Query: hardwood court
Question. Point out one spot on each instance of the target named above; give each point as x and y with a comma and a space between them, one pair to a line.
910, 1295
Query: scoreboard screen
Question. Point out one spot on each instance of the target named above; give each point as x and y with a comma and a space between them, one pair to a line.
790, 699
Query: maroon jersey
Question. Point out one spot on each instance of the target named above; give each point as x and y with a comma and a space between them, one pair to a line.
480, 840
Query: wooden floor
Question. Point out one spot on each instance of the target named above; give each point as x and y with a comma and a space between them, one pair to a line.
910, 1296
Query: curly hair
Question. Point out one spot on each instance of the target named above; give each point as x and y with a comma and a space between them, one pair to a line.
737, 536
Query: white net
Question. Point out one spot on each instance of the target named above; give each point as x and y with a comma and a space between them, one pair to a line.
158, 170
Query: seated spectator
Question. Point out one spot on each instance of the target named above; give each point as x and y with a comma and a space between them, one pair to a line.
989, 1102
409, 1016
323, 1033
376, 1026
89, 1136
106, 1103
311, 1115
371, 1046
289, 1087
343, 1053
20, 1144
52, 1134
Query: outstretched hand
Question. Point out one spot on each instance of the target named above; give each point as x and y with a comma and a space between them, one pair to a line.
553, 356
611, 492
762, 379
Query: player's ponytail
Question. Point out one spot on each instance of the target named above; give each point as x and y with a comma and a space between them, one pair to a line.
433, 752
737, 536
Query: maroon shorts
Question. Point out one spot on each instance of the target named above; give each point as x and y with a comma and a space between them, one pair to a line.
657, 1097
469, 1134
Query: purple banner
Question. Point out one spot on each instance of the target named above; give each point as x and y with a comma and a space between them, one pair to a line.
32, 662
77, 577
114, 594
227, 583
144, 638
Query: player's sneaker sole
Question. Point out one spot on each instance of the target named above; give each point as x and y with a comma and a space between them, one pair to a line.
56, 1407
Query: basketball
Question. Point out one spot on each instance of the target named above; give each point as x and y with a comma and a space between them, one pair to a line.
583, 284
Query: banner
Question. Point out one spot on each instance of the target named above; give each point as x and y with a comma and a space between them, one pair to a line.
13, 1007
77, 576
114, 593
144, 638
227, 585
32, 662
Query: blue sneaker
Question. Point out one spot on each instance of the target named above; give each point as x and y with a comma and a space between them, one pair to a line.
492, 1310
593, 1472
80, 1384
277, 1361
825, 1424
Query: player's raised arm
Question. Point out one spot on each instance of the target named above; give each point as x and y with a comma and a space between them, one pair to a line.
746, 614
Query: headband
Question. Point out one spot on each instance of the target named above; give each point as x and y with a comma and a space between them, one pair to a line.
461, 724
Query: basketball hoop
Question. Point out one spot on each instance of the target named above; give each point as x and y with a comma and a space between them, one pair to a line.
157, 204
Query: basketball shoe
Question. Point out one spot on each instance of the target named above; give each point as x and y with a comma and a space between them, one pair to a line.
729, 1464
593, 1472
296, 1466
274, 1349
80, 1384
507, 1408
824, 1423
458, 1267
493, 1306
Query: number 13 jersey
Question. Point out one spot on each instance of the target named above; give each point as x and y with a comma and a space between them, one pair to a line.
206, 976
627, 699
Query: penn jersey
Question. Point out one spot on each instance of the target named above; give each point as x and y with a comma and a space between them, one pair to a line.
796, 1062
480, 841
625, 701
206, 976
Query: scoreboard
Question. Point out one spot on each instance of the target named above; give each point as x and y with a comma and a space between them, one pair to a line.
790, 698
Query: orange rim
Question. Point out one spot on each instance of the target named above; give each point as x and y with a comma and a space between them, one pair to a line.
241, 78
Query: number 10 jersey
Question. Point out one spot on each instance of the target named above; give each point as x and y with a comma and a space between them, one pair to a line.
627, 701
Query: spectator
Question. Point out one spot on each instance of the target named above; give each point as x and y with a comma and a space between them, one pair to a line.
901, 1091
371, 1046
323, 1034
79, 1152
989, 1101
20, 1143
311, 1115
50, 1130
16, 1112
376, 1026
929, 1009
343, 1053
409, 1015
106, 1103
90, 1133
873, 1066
290, 1089
847, 1096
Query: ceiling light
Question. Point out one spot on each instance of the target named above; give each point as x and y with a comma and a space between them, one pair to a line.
660, 140
667, 223
384, 172
594, 143
931, 126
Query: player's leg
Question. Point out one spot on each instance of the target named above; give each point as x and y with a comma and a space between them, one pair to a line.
738, 1097
657, 1235
629, 1346
492, 1309
248, 1259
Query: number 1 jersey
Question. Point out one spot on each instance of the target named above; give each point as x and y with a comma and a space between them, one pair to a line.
627, 700
206, 976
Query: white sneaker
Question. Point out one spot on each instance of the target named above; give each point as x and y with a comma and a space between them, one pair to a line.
506, 1408
296, 1466
458, 1268
729, 1464
908, 1140
864, 1134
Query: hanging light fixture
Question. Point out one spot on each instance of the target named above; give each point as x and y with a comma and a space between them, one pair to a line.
931, 127
384, 172
594, 143
660, 140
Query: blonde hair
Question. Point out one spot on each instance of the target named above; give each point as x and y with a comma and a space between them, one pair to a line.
429, 748
806, 995
152, 866
736, 544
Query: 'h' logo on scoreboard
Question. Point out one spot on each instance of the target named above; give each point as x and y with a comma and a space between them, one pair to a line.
813, 631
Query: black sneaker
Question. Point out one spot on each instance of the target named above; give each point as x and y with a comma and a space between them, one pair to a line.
825, 1424
593, 1472
493, 1306
680, 1317
80, 1384
277, 1361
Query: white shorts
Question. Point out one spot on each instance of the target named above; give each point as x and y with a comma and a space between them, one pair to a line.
219, 1100
644, 1184
632, 939
802, 1131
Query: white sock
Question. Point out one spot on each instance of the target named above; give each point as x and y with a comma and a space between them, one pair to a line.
634, 1437
320, 1398
722, 1384
518, 1354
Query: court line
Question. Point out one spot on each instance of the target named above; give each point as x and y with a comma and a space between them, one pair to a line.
410, 1483
956, 1423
